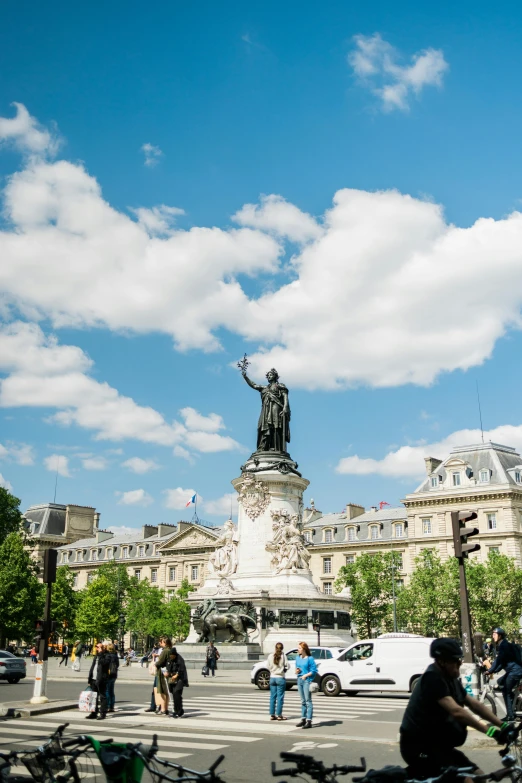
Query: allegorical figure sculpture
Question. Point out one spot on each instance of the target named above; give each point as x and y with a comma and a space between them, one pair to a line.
288, 549
273, 427
223, 561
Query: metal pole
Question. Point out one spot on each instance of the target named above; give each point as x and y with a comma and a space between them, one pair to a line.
465, 619
40, 676
393, 594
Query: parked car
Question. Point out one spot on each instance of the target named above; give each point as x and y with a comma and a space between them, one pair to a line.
12, 668
260, 674
391, 662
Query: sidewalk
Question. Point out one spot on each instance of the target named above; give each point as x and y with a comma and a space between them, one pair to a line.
136, 673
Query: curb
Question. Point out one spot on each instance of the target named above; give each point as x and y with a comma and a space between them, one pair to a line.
28, 710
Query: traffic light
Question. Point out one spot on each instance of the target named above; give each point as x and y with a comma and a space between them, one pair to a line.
461, 533
39, 629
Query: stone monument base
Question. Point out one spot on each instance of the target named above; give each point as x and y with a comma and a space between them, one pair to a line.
233, 656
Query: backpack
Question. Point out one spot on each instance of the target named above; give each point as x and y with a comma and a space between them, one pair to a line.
517, 653
113, 665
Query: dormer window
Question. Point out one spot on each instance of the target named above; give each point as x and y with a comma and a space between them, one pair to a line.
65, 557
328, 536
125, 551
308, 536
456, 478
484, 476
399, 530
94, 554
79, 556
352, 534
434, 482
374, 532
109, 553
141, 551
517, 476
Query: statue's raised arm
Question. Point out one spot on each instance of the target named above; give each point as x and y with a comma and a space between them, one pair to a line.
253, 385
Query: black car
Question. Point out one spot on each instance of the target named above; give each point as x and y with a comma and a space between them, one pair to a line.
12, 668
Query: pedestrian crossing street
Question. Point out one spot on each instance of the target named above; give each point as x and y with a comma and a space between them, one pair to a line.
212, 723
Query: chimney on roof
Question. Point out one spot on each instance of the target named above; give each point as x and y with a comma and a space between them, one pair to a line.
103, 535
432, 463
373, 508
96, 520
149, 530
354, 510
164, 528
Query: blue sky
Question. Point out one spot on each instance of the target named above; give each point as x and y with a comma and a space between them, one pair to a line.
332, 188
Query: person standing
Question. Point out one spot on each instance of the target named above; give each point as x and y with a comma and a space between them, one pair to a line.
177, 680
79, 649
154, 654
509, 659
65, 655
34, 655
306, 669
161, 691
212, 657
277, 668
98, 677
113, 674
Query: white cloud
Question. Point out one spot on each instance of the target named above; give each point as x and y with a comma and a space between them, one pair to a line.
158, 220
152, 154
44, 373
22, 453
5, 484
58, 463
139, 465
377, 64
179, 451
196, 421
222, 506
95, 463
135, 497
25, 133
122, 530
179, 497
408, 461
275, 214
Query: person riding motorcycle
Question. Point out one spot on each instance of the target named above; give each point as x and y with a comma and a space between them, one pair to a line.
509, 659
435, 721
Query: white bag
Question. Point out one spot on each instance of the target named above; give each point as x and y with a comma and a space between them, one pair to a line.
314, 687
87, 701
75, 666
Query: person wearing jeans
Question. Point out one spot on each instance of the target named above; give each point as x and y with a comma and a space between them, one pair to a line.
277, 667
212, 657
306, 669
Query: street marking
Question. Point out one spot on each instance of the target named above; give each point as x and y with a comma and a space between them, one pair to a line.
103, 735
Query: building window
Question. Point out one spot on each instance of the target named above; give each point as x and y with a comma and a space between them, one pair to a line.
172, 574
492, 521
125, 551
94, 554
137, 573
456, 479
109, 553
350, 559
426, 527
65, 557
308, 536
352, 534
434, 481
90, 577
484, 476
328, 536
495, 549
79, 556
141, 551
75, 580
517, 476
327, 565
399, 530
327, 588
374, 532
397, 560
399, 583
153, 575
195, 573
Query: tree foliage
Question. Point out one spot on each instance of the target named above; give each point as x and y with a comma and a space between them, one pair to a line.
10, 514
151, 612
495, 594
429, 604
21, 594
99, 610
64, 602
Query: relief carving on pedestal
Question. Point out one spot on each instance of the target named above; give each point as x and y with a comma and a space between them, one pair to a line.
253, 496
288, 548
223, 561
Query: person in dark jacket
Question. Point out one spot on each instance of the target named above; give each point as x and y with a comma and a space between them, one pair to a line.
113, 674
507, 659
177, 679
98, 678
161, 690
65, 655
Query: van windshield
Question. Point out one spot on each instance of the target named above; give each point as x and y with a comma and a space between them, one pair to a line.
358, 653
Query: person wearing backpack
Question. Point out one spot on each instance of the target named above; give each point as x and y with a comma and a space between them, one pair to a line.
113, 674
508, 658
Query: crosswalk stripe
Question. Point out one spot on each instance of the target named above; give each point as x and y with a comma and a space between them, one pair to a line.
109, 728
339, 700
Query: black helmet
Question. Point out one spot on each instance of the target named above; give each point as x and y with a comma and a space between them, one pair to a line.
447, 649
500, 631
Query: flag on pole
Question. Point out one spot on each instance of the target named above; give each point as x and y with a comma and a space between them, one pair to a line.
381, 504
191, 501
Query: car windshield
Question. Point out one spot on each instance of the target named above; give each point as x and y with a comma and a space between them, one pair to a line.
5, 654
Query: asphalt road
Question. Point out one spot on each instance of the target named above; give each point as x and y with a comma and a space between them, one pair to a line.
233, 720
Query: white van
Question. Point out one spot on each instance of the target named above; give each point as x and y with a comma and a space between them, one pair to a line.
392, 662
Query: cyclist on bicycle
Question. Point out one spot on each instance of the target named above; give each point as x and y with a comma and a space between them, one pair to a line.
435, 722
509, 659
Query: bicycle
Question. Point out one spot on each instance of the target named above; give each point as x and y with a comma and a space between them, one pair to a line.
315, 769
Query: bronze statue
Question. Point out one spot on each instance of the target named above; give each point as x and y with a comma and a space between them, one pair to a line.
273, 427
208, 619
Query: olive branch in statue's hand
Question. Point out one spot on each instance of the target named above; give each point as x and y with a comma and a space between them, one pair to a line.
243, 364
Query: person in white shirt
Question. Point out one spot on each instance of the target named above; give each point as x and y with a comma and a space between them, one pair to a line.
277, 665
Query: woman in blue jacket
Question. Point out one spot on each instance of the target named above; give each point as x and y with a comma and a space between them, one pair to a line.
306, 670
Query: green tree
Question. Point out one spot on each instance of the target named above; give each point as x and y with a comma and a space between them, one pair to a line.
429, 604
370, 583
495, 593
21, 594
144, 610
99, 610
185, 588
176, 617
10, 514
64, 602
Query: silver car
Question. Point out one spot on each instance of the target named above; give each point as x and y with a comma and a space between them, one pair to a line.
12, 669
260, 674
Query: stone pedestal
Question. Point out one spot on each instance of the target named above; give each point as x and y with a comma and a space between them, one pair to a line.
272, 580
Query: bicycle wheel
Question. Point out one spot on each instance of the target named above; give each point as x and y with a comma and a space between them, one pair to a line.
490, 702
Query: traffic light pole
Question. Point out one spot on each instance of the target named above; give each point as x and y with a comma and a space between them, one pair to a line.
465, 618
40, 677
